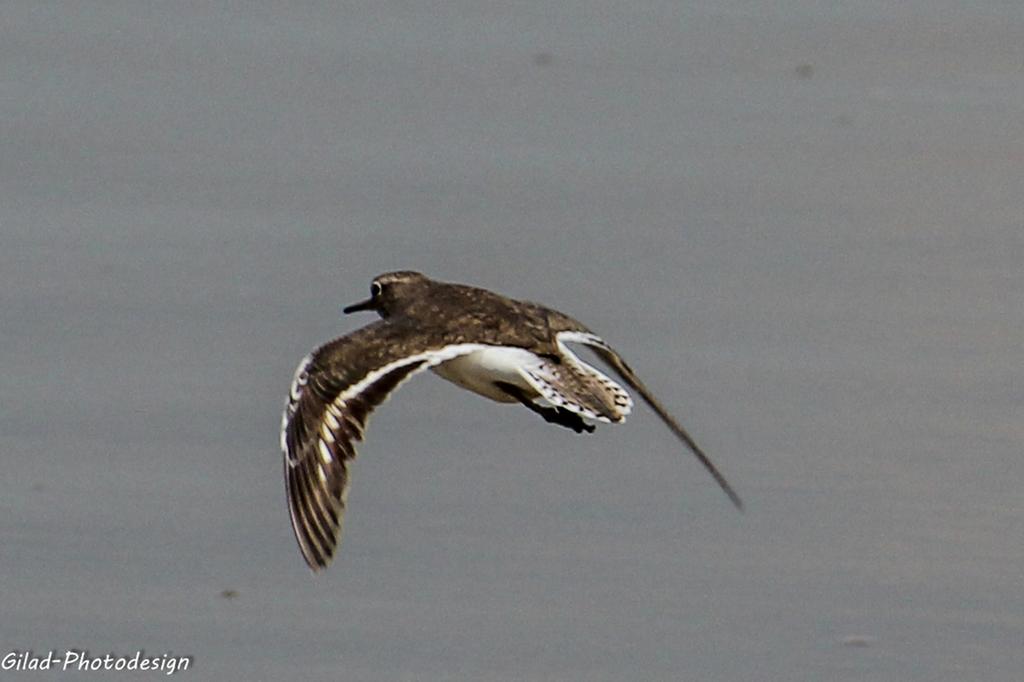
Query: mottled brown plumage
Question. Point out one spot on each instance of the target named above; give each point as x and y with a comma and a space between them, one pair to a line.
503, 349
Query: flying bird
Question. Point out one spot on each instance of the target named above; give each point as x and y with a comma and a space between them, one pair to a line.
506, 350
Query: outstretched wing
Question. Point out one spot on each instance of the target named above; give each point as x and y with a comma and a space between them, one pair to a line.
615, 361
332, 395
577, 387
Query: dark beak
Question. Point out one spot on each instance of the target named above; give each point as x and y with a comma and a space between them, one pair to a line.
368, 304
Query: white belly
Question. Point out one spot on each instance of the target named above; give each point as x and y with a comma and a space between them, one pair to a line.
477, 371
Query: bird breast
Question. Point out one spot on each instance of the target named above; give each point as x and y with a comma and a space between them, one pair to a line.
478, 371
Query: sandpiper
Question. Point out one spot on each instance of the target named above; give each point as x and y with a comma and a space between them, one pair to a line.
506, 350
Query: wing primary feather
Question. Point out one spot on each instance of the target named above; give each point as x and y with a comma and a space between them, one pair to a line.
313, 508
297, 504
326, 413
615, 361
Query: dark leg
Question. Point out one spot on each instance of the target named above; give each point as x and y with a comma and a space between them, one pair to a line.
552, 415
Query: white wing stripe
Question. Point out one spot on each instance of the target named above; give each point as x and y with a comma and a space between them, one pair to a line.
325, 452
432, 357
335, 410
622, 398
299, 380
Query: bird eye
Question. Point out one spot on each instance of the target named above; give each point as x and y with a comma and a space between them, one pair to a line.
376, 289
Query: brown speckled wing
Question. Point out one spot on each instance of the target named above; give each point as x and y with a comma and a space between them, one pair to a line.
615, 361
334, 391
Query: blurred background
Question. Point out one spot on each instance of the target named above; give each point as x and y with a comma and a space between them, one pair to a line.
802, 223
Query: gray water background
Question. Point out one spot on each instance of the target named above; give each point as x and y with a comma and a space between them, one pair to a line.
802, 222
